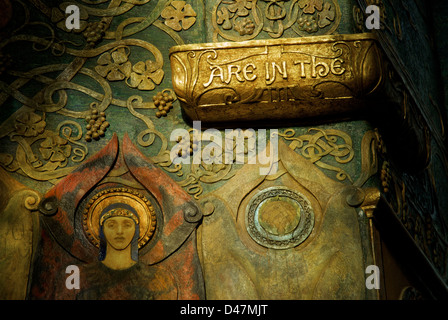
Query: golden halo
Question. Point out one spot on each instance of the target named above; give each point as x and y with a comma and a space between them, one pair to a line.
101, 200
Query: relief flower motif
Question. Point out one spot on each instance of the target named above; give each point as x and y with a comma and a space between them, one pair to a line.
241, 7
55, 149
224, 18
29, 124
114, 66
179, 15
144, 76
310, 6
326, 16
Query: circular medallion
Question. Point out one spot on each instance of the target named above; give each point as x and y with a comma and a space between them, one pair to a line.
145, 211
279, 218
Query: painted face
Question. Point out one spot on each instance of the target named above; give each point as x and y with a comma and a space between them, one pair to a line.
119, 232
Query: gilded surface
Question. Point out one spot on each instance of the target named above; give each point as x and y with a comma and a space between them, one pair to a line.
247, 80
66, 93
19, 227
323, 266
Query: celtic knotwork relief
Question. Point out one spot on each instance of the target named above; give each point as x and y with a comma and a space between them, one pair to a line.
314, 147
44, 154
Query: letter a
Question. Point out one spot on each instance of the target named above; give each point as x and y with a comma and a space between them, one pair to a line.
72, 21
373, 21
72, 281
373, 281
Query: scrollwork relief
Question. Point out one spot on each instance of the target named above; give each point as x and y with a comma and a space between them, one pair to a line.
43, 154
241, 81
46, 152
314, 147
241, 20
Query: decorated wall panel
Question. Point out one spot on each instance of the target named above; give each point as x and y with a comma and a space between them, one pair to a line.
87, 119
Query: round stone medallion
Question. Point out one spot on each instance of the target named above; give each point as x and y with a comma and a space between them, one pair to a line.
279, 218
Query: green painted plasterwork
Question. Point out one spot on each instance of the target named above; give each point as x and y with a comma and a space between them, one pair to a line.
128, 63
53, 77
